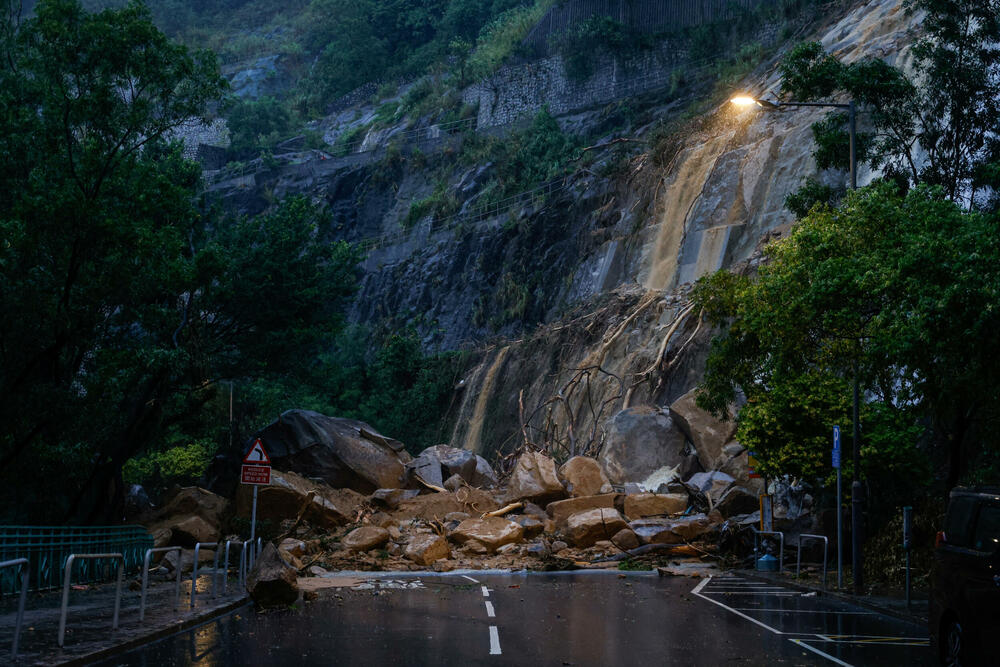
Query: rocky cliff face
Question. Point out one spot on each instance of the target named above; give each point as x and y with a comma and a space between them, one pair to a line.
573, 302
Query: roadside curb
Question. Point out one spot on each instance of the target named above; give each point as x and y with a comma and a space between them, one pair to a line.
154, 635
861, 601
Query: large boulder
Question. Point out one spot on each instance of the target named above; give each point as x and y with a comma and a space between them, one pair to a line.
188, 532
583, 476
710, 485
586, 528
561, 510
195, 501
673, 531
737, 500
365, 538
491, 532
535, 478
272, 582
641, 440
343, 453
289, 492
642, 505
436, 464
424, 549
708, 433
735, 462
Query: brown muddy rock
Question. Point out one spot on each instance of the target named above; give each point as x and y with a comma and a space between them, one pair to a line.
343, 453
171, 560
692, 527
533, 526
391, 498
365, 538
454, 483
425, 549
434, 506
272, 582
535, 479
284, 497
587, 527
491, 532
642, 505
583, 476
457, 516
194, 529
640, 441
195, 501
655, 531
708, 433
625, 539
293, 547
563, 509
161, 537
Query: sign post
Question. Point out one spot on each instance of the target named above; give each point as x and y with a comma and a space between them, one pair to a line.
256, 471
840, 513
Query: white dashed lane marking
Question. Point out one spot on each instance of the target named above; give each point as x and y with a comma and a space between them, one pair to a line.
489, 609
486, 592
494, 641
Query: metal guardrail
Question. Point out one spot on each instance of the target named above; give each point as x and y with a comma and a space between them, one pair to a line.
145, 578
65, 595
194, 569
22, 564
48, 547
781, 547
826, 545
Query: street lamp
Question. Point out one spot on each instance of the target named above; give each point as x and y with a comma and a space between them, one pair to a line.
856, 555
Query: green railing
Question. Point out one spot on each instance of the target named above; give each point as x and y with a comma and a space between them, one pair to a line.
48, 547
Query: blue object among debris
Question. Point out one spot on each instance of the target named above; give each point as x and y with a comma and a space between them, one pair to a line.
767, 563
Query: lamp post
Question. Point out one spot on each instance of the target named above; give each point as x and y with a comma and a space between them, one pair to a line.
856, 520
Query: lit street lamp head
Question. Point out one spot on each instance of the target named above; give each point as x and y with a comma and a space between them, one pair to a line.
744, 101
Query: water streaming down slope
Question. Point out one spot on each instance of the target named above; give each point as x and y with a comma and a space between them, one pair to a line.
474, 434
720, 197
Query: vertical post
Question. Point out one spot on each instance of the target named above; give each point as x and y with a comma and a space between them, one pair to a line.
253, 514
857, 564
840, 535
907, 543
118, 593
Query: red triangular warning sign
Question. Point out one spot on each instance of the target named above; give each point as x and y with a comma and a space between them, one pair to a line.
257, 454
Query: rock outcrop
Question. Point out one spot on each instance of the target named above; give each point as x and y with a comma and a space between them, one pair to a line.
343, 453
640, 441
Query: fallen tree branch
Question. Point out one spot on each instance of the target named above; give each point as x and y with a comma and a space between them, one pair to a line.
503, 510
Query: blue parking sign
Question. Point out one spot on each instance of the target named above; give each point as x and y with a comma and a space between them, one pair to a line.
836, 447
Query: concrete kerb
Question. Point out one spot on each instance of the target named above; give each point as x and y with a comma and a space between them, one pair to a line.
913, 616
154, 635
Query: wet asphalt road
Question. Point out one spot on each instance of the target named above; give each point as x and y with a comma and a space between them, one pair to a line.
588, 618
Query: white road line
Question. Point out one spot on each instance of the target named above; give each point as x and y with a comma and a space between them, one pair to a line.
475, 581
486, 592
765, 593
818, 652
807, 611
697, 591
489, 609
494, 641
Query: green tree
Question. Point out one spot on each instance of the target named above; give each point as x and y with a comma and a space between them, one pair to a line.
900, 289
257, 125
941, 126
121, 303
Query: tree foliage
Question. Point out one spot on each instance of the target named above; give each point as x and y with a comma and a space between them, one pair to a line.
897, 289
122, 303
941, 126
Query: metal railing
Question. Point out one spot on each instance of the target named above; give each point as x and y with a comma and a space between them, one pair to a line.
65, 595
781, 544
194, 569
23, 567
145, 578
48, 547
826, 543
